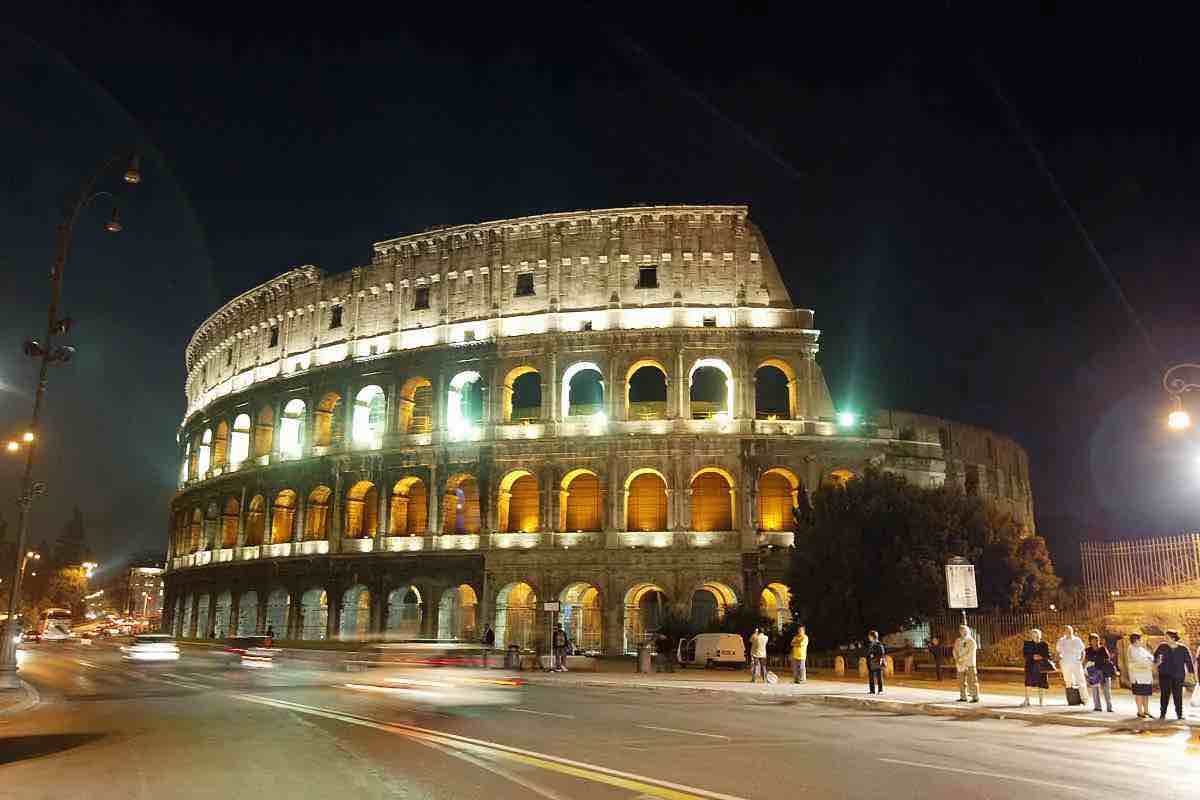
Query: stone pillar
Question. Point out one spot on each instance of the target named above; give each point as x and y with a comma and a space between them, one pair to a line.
294, 615
685, 510
502, 502
334, 523
733, 509
235, 607
333, 596
348, 417
437, 488
672, 517
381, 519
299, 527
555, 412
439, 403
683, 409
241, 529
622, 512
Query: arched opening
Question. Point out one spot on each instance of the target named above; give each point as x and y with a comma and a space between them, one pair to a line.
582, 509
239, 442
646, 608
460, 506
712, 500
778, 495
279, 602
222, 615
646, 506
220, 454
410, 508
456, 613
404, 613
283, 517
839, 478
518, 502
710, 388
185, 625
327, 421
196, 531
314, 615
516, 615
291, 429
522, 395
181, 536
370, 415
710, 603
247, 619
256, 521
316, 519
203, 627
776, 604
204, 454
464, 405
582, 390
355, 622
646, 390
774, 390
264, 432
581, 616
212, 526
229, 522
187, 469
362, 511
416, 406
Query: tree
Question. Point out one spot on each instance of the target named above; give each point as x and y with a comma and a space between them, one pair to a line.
871, 554
66, 589
71, 546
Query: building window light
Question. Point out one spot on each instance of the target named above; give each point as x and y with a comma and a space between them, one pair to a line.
647, 278
421, 298
335, 317
273, 340
710, 321
524, 285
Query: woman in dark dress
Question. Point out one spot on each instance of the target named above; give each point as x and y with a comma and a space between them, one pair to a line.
1037, 664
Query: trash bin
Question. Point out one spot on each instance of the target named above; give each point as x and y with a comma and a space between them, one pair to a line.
645, 658
512, 657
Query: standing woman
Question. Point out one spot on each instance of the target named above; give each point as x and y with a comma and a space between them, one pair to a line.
1037, 664
1141, 674
1100, 671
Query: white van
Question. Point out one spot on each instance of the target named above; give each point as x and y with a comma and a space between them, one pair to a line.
712, 650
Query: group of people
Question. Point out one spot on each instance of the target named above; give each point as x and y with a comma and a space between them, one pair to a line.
1093, 666
798, 648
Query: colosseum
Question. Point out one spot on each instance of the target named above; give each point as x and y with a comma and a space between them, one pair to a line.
616, 411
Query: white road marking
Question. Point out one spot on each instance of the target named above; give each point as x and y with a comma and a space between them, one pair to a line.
83, 663
568, 765
541, 713
689, 733
998, 775
503, 773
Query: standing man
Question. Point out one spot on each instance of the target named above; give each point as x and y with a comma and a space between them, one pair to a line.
560, 648
799, 655
1174, 663
1070, 659
875, 653
758, 655
965, 649
935, 650
489, 637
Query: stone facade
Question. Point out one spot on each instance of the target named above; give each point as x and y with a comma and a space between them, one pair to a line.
616, 410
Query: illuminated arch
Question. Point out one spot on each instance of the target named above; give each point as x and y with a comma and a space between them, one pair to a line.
700, 405
516, 615
416, 405
778, 495
204, 454
220, 453
464, 404
223, 608
196, 531
569, 375
327, 421
370, 414
456, 613
279, 602
239, 441
789, 377
646, 607
256, 519
518, 502
776, 604
316, 521
839, 478
646, 500
582, 616
409, 508
713, 500
710, 602
405, 611
264, 432
229, 522
314, 614
646, 408
247, 618
283, 516
291, 429
355, 621
515, 374
362, 511
581, 506
460, 506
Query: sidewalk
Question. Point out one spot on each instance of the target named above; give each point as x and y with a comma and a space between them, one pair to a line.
902, 696
15, 701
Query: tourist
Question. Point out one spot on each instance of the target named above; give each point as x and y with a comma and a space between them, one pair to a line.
1141, 674
489, 636
560, 648
1100, 671
758, 655
1174, 661
965, 650
1037, 664
799, 655
935, 650
1070, 659
875, 654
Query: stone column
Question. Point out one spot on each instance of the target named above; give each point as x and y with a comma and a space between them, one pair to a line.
555, 412
672, 517
502, 503
334, 526
685, 510
241, 529
300, 525
683, 409
439, 403
733, 509
333, 596
622, 513
437, 488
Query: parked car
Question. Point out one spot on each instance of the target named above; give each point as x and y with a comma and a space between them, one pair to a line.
712, 650
151, 647
31, 635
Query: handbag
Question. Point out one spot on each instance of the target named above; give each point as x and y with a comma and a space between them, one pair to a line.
1046, 665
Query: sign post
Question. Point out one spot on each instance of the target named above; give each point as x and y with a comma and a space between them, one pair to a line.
551, 610
960, 586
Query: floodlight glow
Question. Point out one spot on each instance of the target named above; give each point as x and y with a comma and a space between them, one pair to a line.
846, 418
28, 436
1178, 419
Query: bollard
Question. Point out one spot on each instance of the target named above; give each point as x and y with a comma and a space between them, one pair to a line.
889, 666
839, 665
910, 665
862, 668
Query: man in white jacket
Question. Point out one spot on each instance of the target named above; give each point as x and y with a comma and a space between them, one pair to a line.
965, 649
1070, 659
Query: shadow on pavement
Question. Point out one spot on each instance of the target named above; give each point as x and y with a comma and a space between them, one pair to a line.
19, 748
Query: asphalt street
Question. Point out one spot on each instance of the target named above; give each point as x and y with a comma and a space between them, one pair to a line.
201, 727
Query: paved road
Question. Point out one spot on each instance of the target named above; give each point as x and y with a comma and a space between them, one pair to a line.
198, 728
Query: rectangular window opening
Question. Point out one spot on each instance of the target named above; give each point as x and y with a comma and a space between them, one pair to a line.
335, 317
421, 298
229, 356
586, 326
524, 285
710, 322
274, 340
647, 278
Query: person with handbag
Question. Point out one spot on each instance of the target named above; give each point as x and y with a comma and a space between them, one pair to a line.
875, 655
1037, 664
1174, 662
1100, 671
1141, 674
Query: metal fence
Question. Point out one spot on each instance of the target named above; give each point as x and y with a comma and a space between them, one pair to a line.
993, 627
1140, 566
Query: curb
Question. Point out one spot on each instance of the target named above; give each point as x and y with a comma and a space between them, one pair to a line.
32, 698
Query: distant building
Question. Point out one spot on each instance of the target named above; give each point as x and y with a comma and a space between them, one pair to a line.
145, 592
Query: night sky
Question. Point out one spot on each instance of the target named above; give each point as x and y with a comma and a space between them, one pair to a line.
881, 155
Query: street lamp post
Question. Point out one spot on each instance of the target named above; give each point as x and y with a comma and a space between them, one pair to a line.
1178, 380
49, 353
